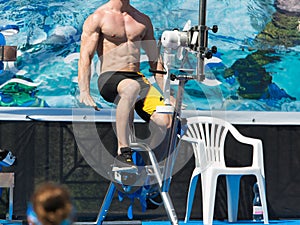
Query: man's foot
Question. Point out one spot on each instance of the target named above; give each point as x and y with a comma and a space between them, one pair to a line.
124, 162
124, 170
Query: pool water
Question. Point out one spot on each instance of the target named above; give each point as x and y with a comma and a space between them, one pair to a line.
49, 41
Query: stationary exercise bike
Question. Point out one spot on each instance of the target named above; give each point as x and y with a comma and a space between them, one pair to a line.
194, 39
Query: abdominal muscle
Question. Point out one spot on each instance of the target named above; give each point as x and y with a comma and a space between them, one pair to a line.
120, 57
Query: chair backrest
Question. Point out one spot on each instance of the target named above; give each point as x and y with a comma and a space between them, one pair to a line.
207, 135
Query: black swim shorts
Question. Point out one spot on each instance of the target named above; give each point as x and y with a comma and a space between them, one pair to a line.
149, 97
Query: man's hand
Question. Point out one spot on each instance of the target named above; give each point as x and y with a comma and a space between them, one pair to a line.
87, 99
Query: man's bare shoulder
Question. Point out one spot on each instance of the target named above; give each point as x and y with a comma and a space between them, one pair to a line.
98, 13
94, 20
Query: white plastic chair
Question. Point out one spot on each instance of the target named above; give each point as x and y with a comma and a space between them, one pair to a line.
207, 136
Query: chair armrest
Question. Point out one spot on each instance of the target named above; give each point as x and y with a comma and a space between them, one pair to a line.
257, 158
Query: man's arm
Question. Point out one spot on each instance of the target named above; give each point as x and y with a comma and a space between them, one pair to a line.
150, 46
89, 43
155, 60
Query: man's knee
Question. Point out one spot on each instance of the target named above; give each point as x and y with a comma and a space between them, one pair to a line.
128, 88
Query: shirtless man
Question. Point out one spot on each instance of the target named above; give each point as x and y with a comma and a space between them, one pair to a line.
117, 31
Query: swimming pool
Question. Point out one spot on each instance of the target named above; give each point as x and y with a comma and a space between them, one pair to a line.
49, 41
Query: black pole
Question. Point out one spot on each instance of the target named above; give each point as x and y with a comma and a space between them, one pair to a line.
202, 12
202, 40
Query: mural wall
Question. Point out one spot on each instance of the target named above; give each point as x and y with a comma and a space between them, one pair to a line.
256, 67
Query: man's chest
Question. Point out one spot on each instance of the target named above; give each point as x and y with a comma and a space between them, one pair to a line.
123, 28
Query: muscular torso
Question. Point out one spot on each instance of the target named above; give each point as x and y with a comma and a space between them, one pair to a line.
120, 40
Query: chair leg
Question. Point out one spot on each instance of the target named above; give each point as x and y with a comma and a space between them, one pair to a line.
233, 191
190, 198
209, 185
262, 194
